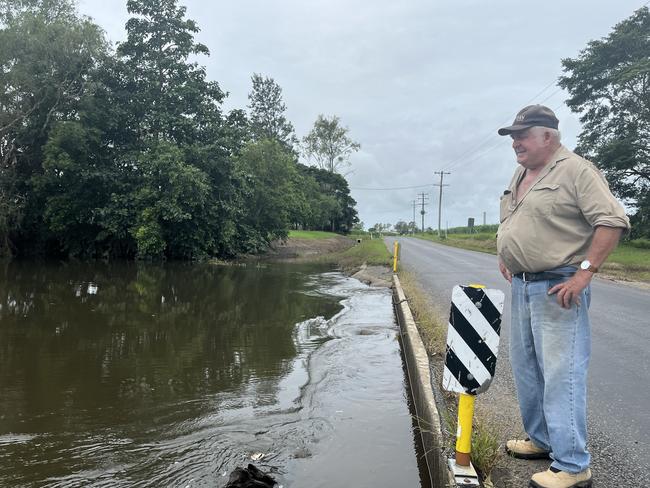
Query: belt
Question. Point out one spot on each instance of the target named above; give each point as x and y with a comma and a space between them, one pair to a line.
541, 276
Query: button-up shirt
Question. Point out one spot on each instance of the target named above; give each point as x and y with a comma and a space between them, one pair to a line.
552, 224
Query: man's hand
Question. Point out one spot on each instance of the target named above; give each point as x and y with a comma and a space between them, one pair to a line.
569, 292
504, 271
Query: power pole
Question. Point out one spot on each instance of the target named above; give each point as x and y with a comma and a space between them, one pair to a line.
484, 218
413, 228
442, 174
423, 201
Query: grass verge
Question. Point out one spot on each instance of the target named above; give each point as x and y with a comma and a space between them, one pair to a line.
369, 251
429, 318
432, 324
628, 262
311, 234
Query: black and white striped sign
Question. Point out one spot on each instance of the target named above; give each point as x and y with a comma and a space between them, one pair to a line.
472, 339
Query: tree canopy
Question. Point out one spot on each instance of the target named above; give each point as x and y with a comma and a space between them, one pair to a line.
129, 153
267, 112
329, 145
609, 84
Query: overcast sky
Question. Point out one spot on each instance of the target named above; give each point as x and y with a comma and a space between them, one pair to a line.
423, 85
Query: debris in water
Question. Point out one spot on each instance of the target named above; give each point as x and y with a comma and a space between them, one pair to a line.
257, 456
250, 477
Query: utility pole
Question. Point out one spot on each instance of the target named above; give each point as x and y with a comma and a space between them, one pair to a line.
413, 228
423, 201
442, 174
484, 218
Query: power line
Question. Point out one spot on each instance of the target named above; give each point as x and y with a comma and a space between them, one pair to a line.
393, 188
497, 144
459, 160
462, 157
490, 137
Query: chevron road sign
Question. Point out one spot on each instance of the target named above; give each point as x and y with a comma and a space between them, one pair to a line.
472, 339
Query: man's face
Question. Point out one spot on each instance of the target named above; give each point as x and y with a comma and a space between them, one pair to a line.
531, 147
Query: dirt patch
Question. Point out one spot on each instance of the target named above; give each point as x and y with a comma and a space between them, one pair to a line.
294, 249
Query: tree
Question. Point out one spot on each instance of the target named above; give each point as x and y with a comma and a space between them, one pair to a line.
267, 110
75, 185
359, 226
168, 97
47, 54
609, 84
270, 172
402, 227
329, 145
168, 109
379, 228
171, 194
329, 204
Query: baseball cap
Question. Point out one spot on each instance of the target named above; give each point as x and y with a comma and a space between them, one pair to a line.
531, 116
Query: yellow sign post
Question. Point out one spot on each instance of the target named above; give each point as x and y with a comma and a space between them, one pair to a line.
464, 432
395, 254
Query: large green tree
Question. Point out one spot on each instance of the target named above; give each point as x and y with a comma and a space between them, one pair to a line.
330, 205
169, 109
609, 84
168, 96
267, 112
47, 54
271, 175
329, 145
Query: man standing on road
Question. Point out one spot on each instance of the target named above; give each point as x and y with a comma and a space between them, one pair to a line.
559, 222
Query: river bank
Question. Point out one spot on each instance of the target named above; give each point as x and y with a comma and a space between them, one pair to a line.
364, 259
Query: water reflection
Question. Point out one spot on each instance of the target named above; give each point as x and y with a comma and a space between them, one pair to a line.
131, 374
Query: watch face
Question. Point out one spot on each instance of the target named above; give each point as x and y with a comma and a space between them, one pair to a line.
585, 265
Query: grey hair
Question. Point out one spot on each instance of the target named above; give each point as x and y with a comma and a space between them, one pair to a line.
555, 134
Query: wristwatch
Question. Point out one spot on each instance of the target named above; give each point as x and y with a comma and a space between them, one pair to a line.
587, 266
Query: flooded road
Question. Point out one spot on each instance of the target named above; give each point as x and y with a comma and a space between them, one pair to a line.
152, 376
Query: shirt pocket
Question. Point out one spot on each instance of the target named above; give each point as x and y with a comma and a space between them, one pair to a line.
541, 199
505, 205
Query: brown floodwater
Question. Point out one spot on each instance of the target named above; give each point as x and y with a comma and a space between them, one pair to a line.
132, 374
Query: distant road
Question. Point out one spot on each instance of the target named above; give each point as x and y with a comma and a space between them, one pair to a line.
619, 375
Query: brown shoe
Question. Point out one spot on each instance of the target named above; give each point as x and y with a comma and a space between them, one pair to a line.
525, 449
561, 479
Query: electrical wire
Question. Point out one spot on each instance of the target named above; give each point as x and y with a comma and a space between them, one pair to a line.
454, 162
393, 188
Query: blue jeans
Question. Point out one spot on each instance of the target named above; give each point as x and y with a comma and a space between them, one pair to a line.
549, 353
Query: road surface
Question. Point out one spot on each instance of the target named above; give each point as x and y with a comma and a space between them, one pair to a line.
619, 392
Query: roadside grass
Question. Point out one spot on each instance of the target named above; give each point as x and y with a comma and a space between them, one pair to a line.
630, 261
429, 318
486, 443
311, 234
483, 242
432, 324
372, 252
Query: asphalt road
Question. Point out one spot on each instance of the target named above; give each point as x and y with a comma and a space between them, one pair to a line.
619, 392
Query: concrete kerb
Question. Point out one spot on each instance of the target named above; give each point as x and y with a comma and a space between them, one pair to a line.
419, 375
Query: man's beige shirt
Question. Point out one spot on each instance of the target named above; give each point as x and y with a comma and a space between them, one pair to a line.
552, 224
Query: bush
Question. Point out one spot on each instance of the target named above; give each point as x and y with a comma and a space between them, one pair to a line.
639, 243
